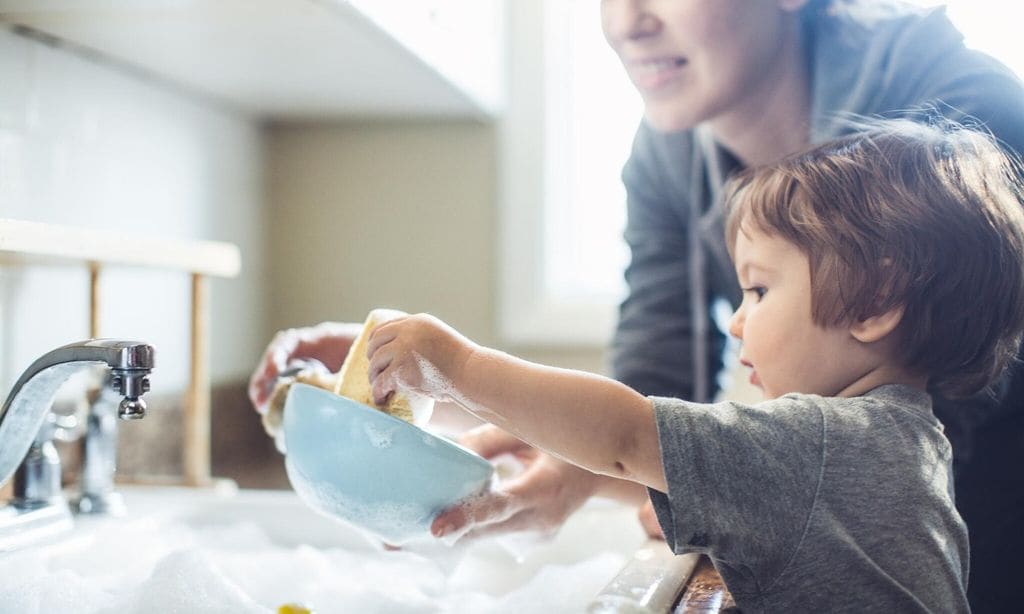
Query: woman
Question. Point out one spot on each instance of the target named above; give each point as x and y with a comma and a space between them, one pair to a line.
734, 83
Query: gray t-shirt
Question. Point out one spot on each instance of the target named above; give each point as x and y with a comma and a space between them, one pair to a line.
813, 504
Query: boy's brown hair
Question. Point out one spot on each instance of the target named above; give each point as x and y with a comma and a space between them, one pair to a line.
924, 216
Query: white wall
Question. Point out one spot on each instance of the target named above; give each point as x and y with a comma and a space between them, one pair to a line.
84, 144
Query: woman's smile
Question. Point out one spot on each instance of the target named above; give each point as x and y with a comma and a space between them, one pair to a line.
652, 74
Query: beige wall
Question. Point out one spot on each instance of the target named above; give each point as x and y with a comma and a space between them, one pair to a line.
398, 214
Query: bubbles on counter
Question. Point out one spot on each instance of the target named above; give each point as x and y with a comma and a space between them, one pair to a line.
172, 565
187, 581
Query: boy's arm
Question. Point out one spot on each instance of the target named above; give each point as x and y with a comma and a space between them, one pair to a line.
588, 420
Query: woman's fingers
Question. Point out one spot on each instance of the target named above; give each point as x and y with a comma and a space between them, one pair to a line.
540, 499
649, 521
271, 363
490, 508
327, 342
490, 441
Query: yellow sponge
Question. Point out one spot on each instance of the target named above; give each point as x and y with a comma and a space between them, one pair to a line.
354, 377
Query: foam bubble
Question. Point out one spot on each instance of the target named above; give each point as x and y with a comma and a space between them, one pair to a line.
154, 565
422, 408
396, 517
187, 581
379, 437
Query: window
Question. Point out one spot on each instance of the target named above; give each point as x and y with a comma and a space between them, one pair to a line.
572, 115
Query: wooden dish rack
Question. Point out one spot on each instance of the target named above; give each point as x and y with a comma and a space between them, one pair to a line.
31, 243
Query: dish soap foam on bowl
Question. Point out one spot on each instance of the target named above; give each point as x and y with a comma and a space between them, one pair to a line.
375, 471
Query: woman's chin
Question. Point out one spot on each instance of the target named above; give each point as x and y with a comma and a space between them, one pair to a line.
666, 117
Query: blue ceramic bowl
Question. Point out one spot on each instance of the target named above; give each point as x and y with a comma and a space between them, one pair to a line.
377, 472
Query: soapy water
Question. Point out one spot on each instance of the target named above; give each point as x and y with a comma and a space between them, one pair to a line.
174, 566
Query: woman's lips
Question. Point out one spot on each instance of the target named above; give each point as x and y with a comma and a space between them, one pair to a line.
654, 73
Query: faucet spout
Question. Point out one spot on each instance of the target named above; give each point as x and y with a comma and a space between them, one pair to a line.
29, 400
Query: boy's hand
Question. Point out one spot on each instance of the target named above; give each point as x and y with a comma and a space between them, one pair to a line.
418, 354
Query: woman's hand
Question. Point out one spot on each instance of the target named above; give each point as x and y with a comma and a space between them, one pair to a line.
649, 521
327, 342
541, 498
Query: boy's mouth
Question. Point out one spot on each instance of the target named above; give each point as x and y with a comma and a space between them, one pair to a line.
754, 380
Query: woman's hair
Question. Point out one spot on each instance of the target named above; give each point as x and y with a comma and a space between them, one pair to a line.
927, 217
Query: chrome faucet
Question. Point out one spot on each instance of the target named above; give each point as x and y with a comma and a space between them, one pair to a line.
26, 430
99, 453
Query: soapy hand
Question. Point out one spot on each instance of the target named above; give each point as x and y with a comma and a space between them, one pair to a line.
417, 354
540, 499
327, 342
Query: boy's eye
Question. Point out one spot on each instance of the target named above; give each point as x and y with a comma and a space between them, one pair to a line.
756, 290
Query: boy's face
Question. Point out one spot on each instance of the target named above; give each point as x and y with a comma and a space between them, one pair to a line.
785, 349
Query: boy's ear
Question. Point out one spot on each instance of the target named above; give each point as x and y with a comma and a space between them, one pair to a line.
876, 327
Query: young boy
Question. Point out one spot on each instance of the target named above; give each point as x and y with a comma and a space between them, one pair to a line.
872, 267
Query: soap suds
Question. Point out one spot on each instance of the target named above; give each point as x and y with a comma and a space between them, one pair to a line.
135, 566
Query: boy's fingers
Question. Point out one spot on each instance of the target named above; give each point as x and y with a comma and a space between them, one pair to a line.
381, 389
378, 363
379, 336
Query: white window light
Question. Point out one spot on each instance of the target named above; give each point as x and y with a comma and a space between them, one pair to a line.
572, 115
992, 26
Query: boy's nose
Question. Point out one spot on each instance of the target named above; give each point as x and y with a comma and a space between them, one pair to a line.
624, 20
736, 323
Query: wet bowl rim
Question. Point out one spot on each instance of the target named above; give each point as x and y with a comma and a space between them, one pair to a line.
377, 414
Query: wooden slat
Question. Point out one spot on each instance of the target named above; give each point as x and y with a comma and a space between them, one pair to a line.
33, 242
94, 300
196, 448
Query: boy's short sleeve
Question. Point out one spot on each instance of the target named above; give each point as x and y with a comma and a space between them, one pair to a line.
741, 479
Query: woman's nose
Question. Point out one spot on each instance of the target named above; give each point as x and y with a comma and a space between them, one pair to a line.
624, 20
